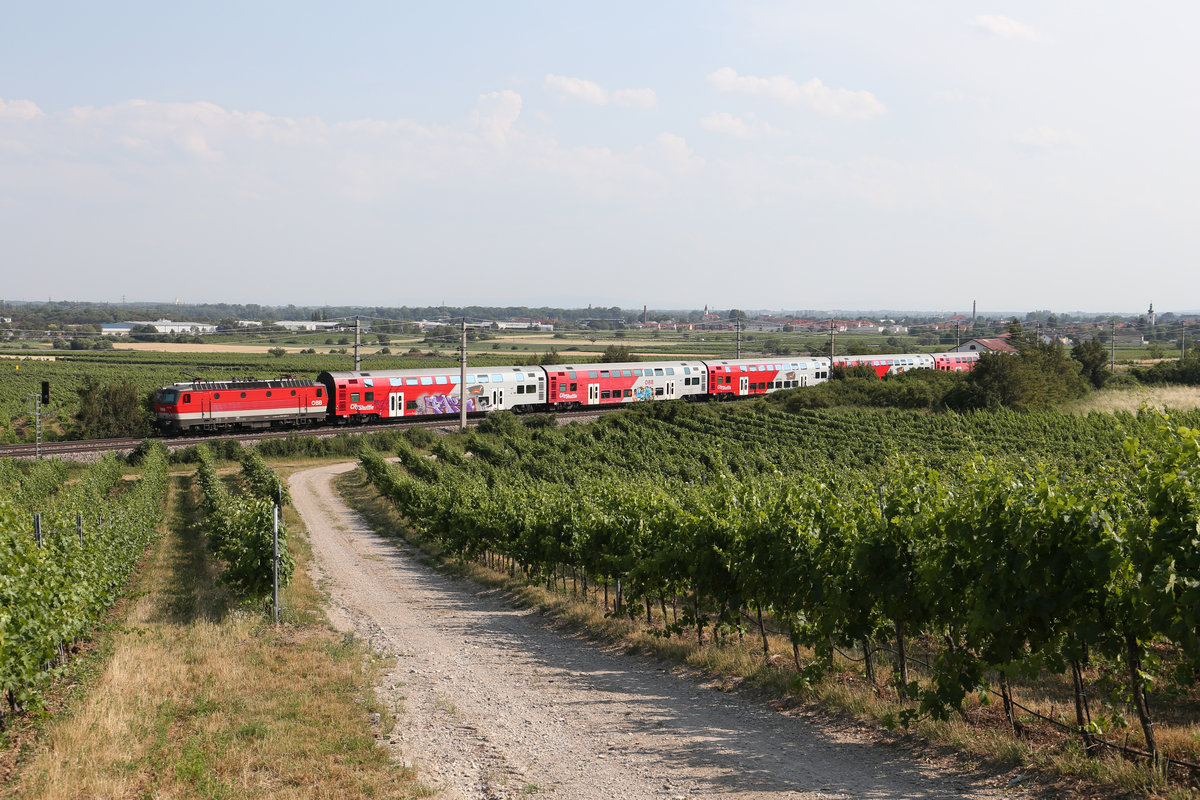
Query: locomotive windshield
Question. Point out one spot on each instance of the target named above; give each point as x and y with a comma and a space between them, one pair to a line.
166, 397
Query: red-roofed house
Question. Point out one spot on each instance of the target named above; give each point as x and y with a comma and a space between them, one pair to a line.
985, 346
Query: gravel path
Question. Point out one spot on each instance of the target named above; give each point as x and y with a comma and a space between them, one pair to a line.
493, 704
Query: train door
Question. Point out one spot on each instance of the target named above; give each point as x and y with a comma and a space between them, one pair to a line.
497, 398
670, 390
743, 385
593, 393
396, 404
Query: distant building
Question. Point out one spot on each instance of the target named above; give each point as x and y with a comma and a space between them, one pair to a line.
116, 329
310, 325
985, 346
167, 326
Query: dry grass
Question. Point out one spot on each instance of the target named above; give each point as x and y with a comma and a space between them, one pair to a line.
979, 736
203, 698
1162, 397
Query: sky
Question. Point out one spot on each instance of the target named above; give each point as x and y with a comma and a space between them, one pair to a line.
799, 155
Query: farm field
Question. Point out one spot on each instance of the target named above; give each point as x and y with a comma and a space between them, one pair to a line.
935, 548
659, 529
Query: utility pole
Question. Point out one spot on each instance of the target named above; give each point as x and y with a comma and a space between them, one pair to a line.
1112, 347
357, 359
957, 334
462, 380
738, 322
1182, 343
831, 342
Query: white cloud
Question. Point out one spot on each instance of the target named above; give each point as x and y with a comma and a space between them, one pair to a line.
748, 127
594, 93
812, 94
18, 109
635, 98
1044, 138
496, 113
1005, 27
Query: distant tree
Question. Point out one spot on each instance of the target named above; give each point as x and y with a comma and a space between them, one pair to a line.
737, 315
111, 410
551, 358
615, 354
1093, 361
143, 333
277, 352
1039, 375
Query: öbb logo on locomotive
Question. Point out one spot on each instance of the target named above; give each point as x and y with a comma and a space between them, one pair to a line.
338, 398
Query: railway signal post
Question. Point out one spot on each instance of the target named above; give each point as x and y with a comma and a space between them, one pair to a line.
39, 400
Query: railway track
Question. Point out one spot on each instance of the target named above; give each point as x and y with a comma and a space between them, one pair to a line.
87, 449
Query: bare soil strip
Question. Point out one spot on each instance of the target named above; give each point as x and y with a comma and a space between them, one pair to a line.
493, 704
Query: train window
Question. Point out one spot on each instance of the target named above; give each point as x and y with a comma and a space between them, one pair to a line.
293, 392
217, 396
187, 398
520, 376
411, 405
574, 387
605, 395
571, 374
659, 391
637, 373
268, 392
427, 381
320, 393
440, 380
626, 373
592, 374
604, 373
354, 397
370, 396
410, 381
483, 379
687, 370
741, 367
454, 380
670, 370
470, 379
243, 395
497, 379
658, 371
629, 392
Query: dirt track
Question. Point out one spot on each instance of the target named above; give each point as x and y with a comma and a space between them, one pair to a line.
492, 704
